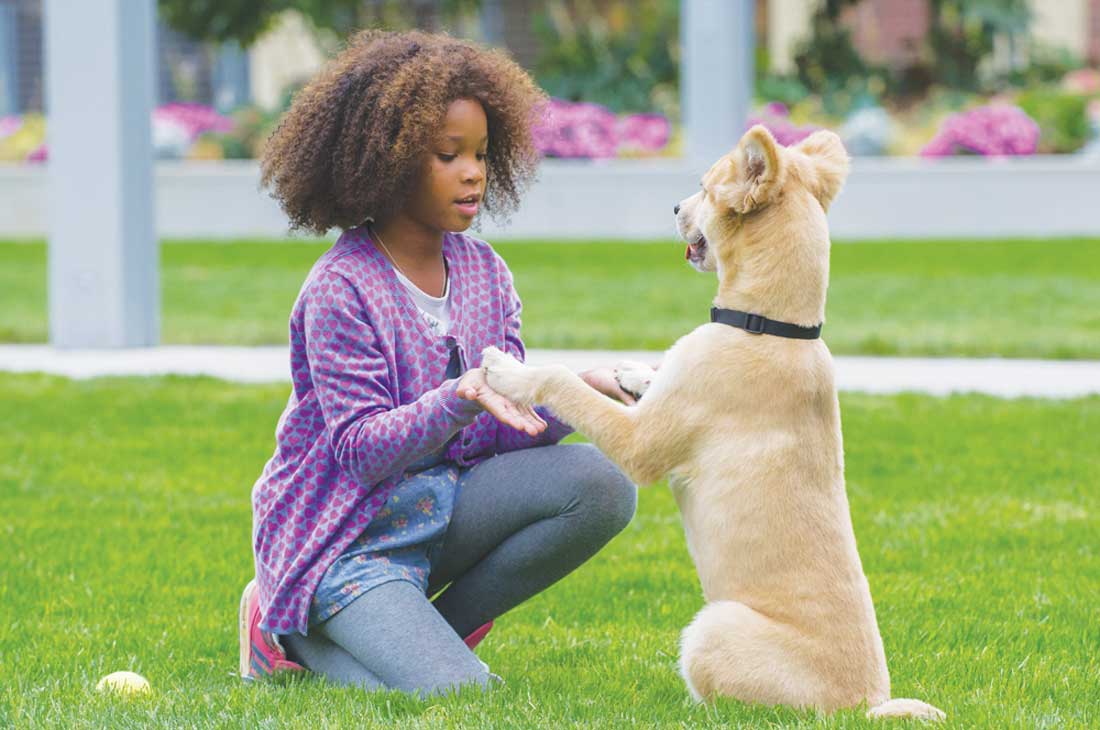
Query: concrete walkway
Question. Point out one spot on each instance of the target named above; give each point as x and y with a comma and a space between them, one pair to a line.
937, 376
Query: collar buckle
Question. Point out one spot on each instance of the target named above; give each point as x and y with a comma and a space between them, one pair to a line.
754, 324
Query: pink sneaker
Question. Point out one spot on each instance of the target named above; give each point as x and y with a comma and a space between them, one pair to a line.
261, 654
478, 634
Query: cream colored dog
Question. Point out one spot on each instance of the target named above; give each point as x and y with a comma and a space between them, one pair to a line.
748, 428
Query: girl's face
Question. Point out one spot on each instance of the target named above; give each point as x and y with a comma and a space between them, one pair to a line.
449, 191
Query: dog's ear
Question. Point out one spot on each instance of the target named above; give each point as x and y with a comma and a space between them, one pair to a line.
829, 161
756, 172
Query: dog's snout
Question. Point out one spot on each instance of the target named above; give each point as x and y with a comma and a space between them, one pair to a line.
676, 209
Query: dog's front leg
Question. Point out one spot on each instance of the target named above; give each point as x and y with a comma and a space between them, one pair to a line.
630, 436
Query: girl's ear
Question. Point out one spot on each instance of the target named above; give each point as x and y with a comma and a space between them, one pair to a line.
829, 162
757, 172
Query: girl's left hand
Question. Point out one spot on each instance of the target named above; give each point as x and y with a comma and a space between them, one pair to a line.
522, 418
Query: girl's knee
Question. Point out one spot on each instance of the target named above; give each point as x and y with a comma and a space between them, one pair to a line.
605, 492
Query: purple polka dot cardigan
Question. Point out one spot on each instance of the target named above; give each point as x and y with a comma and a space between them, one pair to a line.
369, 399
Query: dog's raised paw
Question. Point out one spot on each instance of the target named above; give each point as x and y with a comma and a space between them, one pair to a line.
493, 358
508, 376
634, 378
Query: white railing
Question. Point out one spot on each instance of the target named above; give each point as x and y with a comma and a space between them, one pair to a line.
633, 199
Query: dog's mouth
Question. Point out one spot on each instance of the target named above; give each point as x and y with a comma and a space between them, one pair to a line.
696, 250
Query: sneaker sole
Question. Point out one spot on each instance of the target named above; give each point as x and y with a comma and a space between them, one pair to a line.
243, 633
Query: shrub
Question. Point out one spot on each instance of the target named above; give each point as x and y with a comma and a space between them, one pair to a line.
1063, 118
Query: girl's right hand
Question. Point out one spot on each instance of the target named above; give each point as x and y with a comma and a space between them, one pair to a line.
472, 386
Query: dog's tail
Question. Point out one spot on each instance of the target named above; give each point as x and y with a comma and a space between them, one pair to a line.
907, 708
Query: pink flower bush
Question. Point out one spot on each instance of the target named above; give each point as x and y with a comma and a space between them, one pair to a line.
775, 117
195, 118
178, 125
643, 133
9, 125
994, 130
583, 130
576, 130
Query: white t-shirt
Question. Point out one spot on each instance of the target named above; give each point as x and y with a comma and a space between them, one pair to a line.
436, 310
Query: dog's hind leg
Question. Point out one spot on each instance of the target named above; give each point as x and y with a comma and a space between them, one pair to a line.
730, 650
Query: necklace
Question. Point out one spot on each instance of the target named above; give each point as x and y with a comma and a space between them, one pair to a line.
389, 255
393, 261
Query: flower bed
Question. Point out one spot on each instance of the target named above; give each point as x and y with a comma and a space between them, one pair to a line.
194, 131
1055, 119
590, 131
1060, 119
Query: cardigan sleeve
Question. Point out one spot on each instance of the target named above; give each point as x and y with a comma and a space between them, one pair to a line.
510, 439
370, 435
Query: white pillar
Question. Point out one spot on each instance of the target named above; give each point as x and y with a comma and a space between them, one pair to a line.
716, 74
103, 256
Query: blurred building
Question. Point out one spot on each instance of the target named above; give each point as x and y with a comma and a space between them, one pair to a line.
886, 32
889, 32
225, 76
187, 70
21, 80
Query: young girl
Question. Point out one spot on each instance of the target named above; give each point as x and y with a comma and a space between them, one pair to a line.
397, 473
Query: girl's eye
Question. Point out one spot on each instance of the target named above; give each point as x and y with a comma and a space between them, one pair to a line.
482, 156
446, 157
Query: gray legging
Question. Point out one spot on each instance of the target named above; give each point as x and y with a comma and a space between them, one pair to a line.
523, 521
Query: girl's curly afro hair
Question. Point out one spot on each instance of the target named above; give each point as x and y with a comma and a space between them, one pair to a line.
351, 145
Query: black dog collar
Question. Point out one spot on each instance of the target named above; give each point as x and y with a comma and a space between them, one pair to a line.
758, 325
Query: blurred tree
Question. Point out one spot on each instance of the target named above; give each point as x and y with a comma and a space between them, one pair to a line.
221, 20
245, 20
624, 55
962, 33
827, 60
347, 16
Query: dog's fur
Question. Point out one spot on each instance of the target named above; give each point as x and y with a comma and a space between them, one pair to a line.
748, 428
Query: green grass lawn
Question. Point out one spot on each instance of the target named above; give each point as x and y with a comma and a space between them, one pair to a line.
124, 516
1007, 298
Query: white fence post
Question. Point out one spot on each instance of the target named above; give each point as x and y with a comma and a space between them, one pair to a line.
103, 256
716, 75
